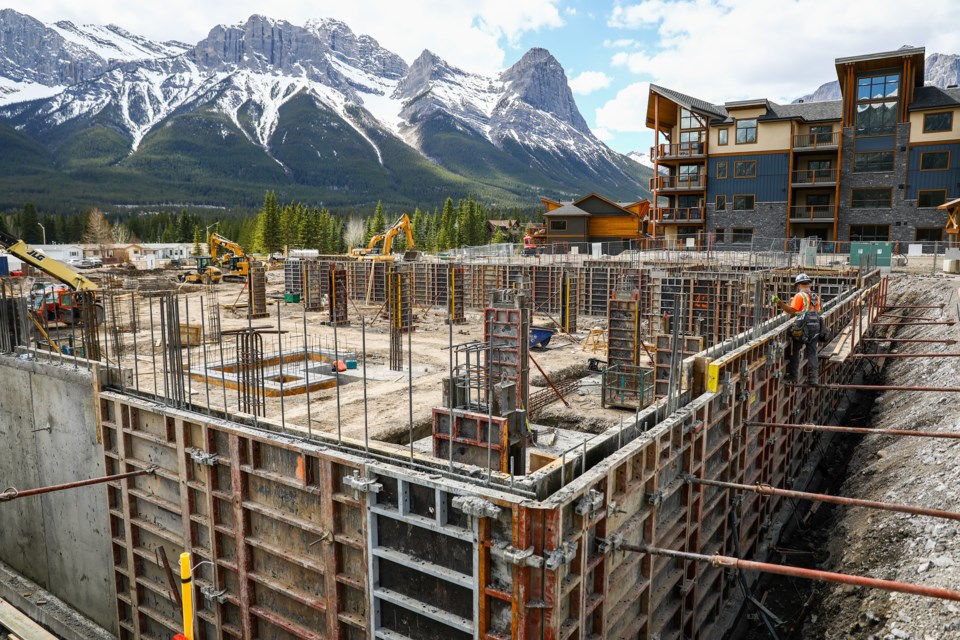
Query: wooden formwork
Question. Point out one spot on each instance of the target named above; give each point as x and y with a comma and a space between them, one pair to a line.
317, 539
279, 540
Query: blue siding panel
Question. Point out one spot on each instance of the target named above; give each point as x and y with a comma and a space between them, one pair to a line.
770, 185
945, 179
875, 143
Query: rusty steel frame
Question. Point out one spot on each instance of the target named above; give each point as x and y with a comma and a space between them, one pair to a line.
298, 530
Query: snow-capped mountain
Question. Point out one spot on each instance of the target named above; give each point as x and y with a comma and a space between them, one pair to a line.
940, 70
318, 101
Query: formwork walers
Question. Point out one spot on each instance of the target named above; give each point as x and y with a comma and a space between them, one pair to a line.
308, 538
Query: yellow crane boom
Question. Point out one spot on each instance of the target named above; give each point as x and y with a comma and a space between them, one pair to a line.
51, 267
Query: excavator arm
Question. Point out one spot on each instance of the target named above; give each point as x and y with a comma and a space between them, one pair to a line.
402, 224
51, 267
217, 242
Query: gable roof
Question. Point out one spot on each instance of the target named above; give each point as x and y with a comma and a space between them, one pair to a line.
935, 98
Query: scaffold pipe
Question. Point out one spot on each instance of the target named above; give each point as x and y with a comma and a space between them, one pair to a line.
767, 490
866, 430
12, 493
881, 387
800, 572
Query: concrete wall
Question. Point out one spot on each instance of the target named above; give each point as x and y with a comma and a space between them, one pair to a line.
60, 540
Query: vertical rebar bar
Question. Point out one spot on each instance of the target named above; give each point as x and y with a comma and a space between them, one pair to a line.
203, 342
366, 432
306, 373
189, 398
153, 350
336, 368
283, 415
410, 372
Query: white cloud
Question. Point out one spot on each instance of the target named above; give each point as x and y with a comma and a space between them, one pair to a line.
626, 111
721, 50
590, 81
621, 43
469, 35
603, 134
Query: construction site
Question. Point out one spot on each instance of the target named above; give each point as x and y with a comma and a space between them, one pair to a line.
558, 447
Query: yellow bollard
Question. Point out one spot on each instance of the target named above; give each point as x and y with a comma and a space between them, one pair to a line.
187, 586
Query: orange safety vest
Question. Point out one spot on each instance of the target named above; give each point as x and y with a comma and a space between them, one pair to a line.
806, 301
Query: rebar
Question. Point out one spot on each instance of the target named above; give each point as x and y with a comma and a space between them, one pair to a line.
864, 430
767, 490
799, 572
12, 493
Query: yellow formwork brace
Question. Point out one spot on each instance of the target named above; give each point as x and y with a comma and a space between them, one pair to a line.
186, 580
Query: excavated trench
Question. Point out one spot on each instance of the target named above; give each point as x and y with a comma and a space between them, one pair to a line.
786, 603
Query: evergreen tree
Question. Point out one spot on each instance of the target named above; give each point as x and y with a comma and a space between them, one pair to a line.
269, 232
447, 234
197, 249
325, 232
499, 237
30, 231
420, 230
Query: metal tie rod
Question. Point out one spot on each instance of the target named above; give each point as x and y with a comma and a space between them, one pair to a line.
767, 490
905, 355
12, 494
948, 323
838, 429
922, 306
800, 572
919, 340
880, 387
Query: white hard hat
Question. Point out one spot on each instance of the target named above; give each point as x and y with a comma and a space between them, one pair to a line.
802, 279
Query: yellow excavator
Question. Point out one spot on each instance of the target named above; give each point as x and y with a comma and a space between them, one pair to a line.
235, 266
52, 303
376, 253
206, 272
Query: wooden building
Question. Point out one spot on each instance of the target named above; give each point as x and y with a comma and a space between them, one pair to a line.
592, 219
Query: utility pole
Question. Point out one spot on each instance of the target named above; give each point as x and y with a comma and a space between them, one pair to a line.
44, 233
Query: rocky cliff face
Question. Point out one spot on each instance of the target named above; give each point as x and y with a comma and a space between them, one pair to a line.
33, 52
540, 82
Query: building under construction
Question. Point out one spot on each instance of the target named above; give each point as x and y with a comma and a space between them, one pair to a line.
397, 457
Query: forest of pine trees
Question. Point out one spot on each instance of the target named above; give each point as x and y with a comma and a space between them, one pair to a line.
273, 227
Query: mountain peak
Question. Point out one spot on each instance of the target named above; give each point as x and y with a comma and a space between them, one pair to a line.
539, 80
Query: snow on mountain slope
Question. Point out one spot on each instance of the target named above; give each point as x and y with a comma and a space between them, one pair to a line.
110, 42
250, 70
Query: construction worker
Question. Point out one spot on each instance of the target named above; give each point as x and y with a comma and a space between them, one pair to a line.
807, 329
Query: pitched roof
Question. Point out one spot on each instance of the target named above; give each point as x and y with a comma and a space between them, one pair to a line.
806, 111
569, 209
689, 101
934, 97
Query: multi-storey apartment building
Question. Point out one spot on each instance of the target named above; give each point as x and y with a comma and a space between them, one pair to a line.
874, 165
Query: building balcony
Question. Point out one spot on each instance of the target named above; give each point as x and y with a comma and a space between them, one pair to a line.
811, 213
814, 178
690, 215
679, 151
816, 141
678, 183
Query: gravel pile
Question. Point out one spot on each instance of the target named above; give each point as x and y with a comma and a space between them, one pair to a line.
916, 471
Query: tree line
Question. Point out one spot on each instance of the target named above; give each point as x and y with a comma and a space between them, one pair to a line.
293, 225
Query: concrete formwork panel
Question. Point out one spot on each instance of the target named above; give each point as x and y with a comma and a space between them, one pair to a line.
316, 540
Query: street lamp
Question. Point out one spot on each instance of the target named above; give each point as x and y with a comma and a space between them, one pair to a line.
206, 236
44, 233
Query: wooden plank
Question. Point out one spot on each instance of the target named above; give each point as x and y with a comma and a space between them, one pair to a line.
21, 626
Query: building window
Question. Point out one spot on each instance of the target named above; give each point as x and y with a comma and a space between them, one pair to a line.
933, 122
822, 133
746, 131
876, 119
878, 87
934, 160
690, 120
932, 198
819, 168
721, 170
722, 136
721, 203
869, 232
818, 200
720, 235
743, 203
876, 112
742, 236
929, 234
745, 169
558, 225
871, 199
873, 161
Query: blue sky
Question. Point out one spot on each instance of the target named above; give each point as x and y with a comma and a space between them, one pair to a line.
718, 50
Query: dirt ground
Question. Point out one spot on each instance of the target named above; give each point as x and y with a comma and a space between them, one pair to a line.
387, 406
916, 471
